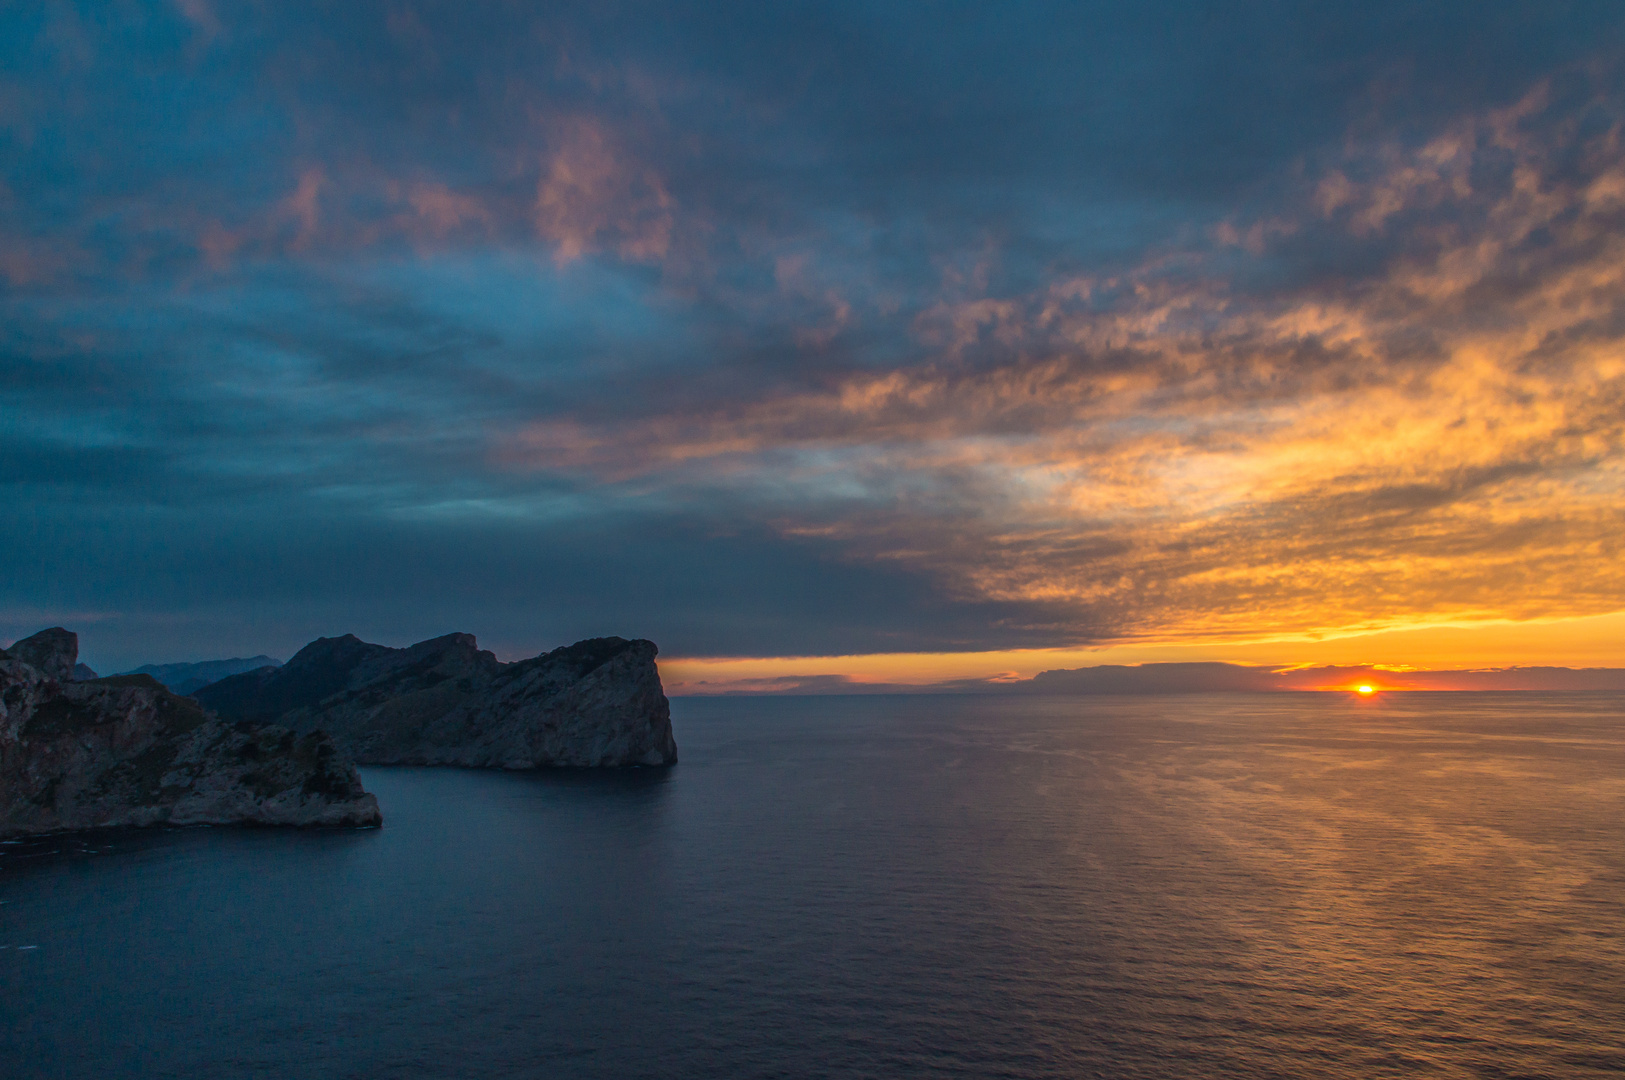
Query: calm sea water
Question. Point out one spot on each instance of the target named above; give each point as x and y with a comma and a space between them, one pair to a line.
1223, 886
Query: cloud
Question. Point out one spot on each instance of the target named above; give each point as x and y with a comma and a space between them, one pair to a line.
983, 329
201, 14
593, 193
1174, 455
443, 211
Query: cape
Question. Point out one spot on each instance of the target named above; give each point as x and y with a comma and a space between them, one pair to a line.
124, 751
445, 701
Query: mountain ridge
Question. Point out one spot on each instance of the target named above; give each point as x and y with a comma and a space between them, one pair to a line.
185, 678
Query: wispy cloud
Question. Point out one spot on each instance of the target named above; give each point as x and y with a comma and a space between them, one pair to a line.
1298, 328
590, 193
1177, 455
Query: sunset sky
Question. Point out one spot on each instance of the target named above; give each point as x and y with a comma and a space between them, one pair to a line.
895, 342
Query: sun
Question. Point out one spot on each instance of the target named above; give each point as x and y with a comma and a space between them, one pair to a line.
1366, 689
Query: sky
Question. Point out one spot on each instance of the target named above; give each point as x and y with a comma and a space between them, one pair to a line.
890, 342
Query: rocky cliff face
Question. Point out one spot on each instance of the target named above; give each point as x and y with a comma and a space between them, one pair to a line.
447, 702
123, 751
53, 653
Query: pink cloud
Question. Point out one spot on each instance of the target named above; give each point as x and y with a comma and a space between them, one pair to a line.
592, 196
1158, 448
303, 206
443, 211
200, 13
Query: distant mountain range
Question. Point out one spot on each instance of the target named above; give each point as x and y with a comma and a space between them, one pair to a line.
187, 679
1191, 678
1206, 677
1154, 678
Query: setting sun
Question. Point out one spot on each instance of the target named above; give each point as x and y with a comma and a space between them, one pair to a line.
927, 475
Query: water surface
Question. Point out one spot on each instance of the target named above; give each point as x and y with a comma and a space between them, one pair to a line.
1204, 886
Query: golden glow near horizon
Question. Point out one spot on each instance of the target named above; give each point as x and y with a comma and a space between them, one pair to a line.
1424, 471
1598, 641
1366, 689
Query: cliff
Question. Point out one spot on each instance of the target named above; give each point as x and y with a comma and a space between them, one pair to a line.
123, 751
445, 701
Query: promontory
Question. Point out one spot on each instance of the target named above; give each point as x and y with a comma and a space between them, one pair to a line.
124, 751
446, 701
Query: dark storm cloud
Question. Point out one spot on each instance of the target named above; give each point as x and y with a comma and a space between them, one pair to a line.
801, 328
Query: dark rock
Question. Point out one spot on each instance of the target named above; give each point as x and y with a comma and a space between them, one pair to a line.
320, 669
84, 673
447, 702
123, 751
51, 652
184, 679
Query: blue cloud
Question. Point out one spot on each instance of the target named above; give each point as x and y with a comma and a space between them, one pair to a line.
752, 327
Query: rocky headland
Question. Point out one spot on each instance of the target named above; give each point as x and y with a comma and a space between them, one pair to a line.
446, 701
124, 751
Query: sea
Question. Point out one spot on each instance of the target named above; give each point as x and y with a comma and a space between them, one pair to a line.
1284, 885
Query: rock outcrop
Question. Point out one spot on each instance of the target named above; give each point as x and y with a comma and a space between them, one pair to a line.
123, 751
53, 653
445, 701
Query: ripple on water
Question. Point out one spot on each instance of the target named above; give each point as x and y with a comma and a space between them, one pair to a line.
1224, 886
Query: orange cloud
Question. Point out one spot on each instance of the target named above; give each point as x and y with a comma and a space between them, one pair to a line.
1154, 455
1409, 657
